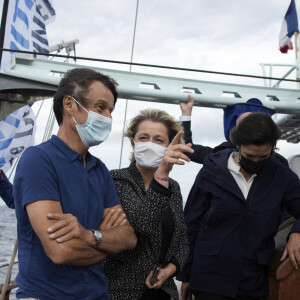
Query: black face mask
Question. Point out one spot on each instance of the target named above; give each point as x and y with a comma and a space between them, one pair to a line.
252, 167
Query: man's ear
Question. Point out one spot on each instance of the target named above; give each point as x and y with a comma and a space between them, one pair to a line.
69, 104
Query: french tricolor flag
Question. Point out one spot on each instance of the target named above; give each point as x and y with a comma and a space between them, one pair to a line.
289, 27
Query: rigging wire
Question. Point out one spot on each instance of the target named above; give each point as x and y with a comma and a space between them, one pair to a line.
150, 66
130, 68
49, 126
37, 114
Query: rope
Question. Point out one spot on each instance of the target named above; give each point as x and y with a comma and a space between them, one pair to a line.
149, 65
37, 114
7, 264
126, 105
8, 274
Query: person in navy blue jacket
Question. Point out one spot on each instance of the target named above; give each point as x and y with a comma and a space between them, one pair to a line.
233, 213
6, 190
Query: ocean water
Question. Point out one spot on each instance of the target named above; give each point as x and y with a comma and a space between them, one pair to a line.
8, 235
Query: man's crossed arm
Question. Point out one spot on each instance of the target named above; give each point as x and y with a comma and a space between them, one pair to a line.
66, 241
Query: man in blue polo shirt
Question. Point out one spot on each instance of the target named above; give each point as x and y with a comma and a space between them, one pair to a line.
60, 177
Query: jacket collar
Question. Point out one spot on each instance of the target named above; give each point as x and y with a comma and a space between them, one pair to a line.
215, 169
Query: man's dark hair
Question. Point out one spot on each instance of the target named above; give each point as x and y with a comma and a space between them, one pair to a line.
255, 129
76, 83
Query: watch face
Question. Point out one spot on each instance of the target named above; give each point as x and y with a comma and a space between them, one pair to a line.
98, 237
98, 234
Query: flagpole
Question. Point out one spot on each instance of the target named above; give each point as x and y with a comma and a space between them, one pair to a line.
3, 25
130, 68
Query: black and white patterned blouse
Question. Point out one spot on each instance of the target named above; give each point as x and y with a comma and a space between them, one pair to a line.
127, 271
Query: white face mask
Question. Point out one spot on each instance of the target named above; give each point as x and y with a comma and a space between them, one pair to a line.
148, 154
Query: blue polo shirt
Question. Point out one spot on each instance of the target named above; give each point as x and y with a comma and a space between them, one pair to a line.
53, 171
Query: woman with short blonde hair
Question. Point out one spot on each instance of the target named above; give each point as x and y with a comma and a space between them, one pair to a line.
153, 204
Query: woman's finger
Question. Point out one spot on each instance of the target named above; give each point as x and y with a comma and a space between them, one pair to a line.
180, 155
175, 161
161, 278
147, 282
176, 138
182, 148
157, 284
176, 152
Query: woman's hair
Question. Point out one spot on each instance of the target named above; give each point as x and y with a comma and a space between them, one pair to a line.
154, 115
255, 129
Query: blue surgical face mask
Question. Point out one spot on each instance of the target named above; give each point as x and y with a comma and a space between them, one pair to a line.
96, 128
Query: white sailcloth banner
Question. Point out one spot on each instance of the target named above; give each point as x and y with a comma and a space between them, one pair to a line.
17, 132
26, 28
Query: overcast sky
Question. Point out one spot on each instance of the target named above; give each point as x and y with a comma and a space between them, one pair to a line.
228, 36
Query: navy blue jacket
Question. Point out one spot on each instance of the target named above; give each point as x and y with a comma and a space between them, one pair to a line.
232, 238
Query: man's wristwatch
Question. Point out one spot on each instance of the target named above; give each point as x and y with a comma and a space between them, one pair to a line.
98, 237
